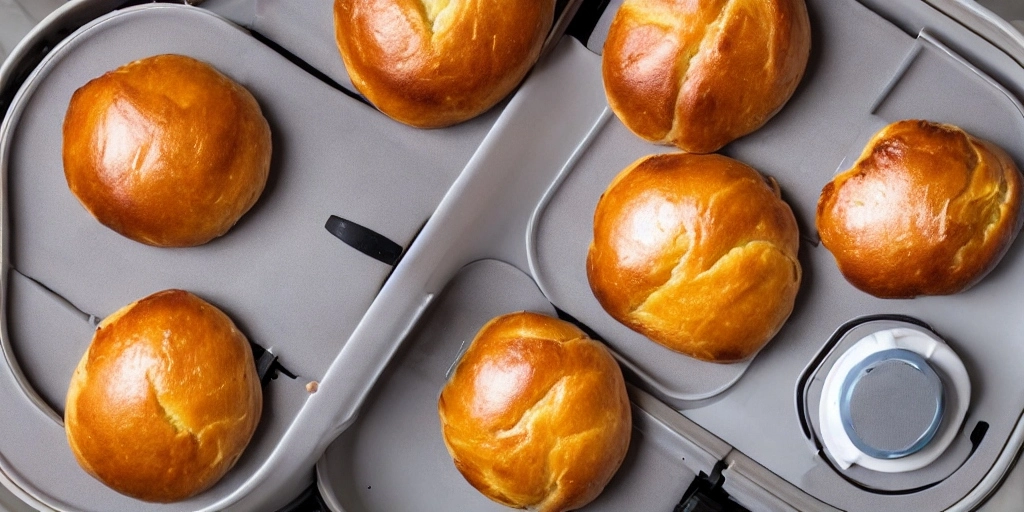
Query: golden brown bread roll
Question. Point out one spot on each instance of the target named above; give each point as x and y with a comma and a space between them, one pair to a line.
927, 209
434, 63
536, 414
701, 74
696, 252
165, 399
166, 150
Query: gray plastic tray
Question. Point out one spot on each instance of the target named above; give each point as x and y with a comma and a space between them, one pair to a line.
527, 198
290, 285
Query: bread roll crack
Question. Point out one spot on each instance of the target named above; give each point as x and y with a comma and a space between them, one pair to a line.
687, 57
680, 277
690, 237
553, 396
438, 16
1000, 205
433, 8
173, 419
702, 73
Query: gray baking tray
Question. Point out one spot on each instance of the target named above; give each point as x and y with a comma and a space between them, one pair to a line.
527, 198
288, 283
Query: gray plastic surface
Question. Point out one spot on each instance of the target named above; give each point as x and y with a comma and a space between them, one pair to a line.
9, 502
1010, 495
17, 17
35, 343
393, 456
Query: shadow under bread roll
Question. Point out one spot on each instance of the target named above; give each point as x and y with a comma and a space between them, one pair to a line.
435, 63
166, 150
535, 414
165, 399
696, 252
927, 209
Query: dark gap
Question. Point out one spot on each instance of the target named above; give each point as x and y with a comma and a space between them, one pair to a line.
309, 500
316, 73
583, 327
91, 318
978, 434
582, 25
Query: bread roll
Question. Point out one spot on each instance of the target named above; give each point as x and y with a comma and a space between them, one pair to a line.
434, 63
165, 399
701, 74
166, 150
927, 209
696, 252
536, 414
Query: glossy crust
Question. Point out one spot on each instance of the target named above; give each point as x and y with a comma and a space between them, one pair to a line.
700, 74
536, 414
926, 210
165, 399
434, 63
166, 150
696, 252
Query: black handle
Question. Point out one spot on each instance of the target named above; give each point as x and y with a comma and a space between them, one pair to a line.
365, 240
705, 494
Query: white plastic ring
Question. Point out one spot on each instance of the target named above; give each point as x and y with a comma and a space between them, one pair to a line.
938, 355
